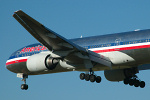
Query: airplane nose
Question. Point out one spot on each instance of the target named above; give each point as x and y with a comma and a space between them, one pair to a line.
17, 67
9, 67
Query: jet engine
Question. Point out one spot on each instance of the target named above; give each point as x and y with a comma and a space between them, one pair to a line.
119, 74
41, 62
114, 75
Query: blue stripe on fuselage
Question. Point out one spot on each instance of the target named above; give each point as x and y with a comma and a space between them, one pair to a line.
96, 42
28, 50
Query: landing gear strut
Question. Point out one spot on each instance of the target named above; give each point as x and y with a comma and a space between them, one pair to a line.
134, 81
24, 86
90, 76
24, 76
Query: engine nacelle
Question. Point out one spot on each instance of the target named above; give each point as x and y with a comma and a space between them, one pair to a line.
115, 75
120, 74
41, 62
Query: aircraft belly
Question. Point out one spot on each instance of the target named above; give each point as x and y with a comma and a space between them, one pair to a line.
18, 68
22, 68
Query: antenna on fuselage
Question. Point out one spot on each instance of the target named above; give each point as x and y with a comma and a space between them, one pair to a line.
137, 30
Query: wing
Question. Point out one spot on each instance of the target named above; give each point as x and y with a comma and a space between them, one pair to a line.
58, 44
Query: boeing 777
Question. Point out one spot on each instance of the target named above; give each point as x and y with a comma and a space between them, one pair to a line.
121, 55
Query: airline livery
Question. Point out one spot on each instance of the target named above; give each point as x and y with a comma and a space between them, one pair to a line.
121, 55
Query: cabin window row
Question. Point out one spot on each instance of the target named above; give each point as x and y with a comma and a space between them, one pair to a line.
114, 44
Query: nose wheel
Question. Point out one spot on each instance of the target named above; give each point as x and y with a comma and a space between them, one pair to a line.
24, 86
24, 76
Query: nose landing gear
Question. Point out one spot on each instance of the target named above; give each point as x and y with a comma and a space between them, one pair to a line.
24, 76
24, 86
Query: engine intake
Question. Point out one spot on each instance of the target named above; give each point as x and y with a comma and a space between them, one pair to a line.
51, 62
41, 62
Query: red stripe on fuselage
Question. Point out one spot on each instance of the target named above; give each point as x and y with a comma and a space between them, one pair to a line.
96, 51
122, 48
16, 61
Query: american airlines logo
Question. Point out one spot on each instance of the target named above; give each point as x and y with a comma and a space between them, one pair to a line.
32, 49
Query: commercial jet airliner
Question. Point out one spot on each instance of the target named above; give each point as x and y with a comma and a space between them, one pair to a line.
121, 55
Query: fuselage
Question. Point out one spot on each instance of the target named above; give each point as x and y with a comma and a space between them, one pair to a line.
133, 49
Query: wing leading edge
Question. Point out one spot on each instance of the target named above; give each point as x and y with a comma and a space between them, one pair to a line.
56, 43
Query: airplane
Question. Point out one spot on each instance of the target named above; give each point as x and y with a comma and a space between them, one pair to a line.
120, 55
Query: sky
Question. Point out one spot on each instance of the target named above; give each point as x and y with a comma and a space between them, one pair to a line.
71, 19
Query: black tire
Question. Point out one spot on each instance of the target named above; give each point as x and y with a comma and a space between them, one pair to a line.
98, 79
136, 83
142, 84
126, 81
92, 78
82, 76
24, 86
87, 77
131, 82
